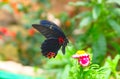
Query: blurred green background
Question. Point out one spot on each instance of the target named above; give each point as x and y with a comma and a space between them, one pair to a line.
91, 25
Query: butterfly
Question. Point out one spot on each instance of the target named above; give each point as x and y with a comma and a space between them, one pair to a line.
55, 38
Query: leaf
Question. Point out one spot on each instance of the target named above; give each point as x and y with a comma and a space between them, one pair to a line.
65, 72
63, 17
108, 66
116, 46
85, 21
112, 63
81, 15
114, 1
79, 3
94, 66
116, 11
115, 61
115, 26
99, 49
96, 12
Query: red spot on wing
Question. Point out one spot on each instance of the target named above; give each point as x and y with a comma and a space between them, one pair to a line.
61, 40
50, 55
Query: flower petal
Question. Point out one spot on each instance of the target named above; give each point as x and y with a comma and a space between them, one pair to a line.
76, 56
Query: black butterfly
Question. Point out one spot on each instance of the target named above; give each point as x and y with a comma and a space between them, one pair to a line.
55, 38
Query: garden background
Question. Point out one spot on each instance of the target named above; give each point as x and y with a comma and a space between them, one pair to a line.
90, 25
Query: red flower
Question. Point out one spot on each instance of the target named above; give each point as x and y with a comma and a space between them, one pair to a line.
5, 32
83, 58
31, 32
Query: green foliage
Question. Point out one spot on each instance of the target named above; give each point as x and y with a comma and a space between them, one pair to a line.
112, 64
100, 48
94, 71
64, 67
101, 24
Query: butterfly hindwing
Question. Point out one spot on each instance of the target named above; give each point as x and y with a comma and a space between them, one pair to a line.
50, 45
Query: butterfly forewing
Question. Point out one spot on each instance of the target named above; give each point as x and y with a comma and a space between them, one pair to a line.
47, 32
47, 23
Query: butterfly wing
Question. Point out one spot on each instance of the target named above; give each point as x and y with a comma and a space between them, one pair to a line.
47, 32
48, 29
50, 47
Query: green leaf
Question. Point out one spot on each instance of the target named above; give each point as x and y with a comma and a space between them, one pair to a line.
81, 15
114, 1
115, 26
96, 12
116, 46
112, 63
85, 21
79, 3
94, 66
115, 61
99, 49
65, 72
63, 17
116, 11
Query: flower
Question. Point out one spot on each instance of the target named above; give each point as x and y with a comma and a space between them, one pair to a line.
13, 34
31, 31
83, 58
14, 6
67, 23
5, 32
6, 1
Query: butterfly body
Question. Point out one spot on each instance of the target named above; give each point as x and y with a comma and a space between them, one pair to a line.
55, 38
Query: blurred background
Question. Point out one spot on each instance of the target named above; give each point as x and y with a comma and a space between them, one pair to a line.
92, 25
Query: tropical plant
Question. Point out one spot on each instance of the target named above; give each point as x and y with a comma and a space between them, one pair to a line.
101, 26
